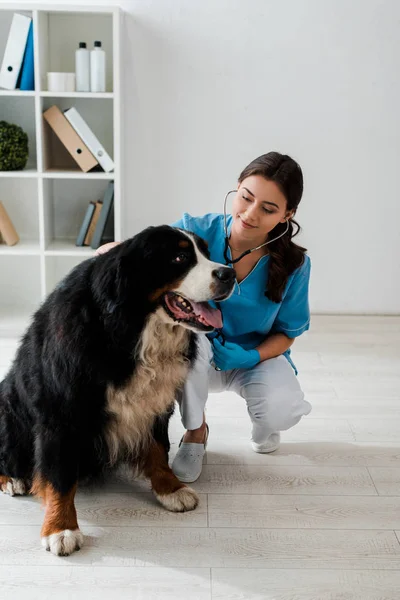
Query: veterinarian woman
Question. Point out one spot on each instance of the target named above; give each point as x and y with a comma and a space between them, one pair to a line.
266, 312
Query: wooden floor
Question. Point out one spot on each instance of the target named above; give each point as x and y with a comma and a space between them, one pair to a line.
317, 520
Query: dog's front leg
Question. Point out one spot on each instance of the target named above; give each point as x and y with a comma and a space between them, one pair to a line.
169, 491
60, 532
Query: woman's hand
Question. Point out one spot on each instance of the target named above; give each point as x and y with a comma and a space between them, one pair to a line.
106, 247
232, 356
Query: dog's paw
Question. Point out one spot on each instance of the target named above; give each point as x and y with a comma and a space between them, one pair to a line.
63, 543
182, 500
13, 487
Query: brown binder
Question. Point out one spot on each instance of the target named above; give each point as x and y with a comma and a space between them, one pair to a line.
7, 229
71, 140
93, 223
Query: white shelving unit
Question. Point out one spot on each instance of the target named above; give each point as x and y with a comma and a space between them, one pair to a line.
48, 199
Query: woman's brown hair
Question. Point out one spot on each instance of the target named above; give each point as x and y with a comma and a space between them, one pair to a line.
285, 255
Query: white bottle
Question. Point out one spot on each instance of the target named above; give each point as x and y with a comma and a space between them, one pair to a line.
82, 68
97, 69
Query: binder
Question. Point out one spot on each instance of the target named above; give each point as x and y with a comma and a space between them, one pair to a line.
14, 52
71, 140
7, 229
85, 224
93, 223
91, 141
27, 71
107, 202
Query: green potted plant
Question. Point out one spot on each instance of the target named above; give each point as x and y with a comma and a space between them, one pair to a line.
13, 147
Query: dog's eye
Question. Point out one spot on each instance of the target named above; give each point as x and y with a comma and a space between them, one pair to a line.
181, 257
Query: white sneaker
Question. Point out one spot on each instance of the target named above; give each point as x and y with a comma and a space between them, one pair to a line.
188, 462
273, 442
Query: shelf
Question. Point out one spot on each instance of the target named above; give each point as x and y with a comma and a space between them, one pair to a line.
75, 174
16, 93
67, 248
58, 174
47, 200
91, 95
24, 173
24, 247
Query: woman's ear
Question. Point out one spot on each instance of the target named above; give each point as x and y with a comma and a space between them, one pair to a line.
289, 215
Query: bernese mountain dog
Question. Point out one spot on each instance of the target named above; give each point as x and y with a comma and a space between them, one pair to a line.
95, 377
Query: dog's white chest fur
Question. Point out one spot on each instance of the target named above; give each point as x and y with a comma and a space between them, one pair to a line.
161, 369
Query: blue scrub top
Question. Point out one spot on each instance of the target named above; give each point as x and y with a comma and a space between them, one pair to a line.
248, 315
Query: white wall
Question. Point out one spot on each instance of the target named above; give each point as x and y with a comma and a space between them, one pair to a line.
211, 84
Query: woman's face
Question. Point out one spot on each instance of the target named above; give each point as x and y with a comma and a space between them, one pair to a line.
258, 206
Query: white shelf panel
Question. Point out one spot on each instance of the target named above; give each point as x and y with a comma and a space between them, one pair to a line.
67, 248
24, 247
70, 174
61, 8
16, 93
91, 95
23, 173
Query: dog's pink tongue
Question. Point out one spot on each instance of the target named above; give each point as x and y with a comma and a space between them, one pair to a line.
211, 315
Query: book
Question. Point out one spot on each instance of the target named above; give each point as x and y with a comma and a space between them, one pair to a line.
91, 141
107, 204
7, 229
85, 224
93, 223
27, 71
71, 140
14, 52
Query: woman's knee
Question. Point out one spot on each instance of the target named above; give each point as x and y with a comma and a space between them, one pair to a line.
278, 409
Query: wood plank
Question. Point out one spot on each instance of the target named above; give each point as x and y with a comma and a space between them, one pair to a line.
202, 547
293, 584
227, 479
304, 512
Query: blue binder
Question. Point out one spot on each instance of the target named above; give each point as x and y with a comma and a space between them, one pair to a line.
27, 70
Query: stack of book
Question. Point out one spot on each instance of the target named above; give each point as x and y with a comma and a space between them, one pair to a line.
98, 214
77, 137
17, 69
8, 234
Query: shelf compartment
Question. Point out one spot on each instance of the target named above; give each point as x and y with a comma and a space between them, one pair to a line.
20, 280
55, 155
20, 110
20, 199
59, 37
6, 17
65, 202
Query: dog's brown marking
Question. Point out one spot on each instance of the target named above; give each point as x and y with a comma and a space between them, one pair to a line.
60, 509
163, 480
156, 295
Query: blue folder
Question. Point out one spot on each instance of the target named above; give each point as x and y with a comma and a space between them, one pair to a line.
27, 69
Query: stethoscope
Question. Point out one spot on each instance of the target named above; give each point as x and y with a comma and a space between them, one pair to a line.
217, 334
226, 257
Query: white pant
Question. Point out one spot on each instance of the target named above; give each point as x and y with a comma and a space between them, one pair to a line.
275, 401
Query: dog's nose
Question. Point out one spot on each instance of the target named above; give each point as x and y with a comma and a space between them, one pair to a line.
225, 274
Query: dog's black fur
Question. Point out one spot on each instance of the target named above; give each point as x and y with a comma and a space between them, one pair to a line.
82, 339
101, 364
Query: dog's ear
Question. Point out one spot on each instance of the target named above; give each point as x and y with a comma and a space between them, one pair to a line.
124, 269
